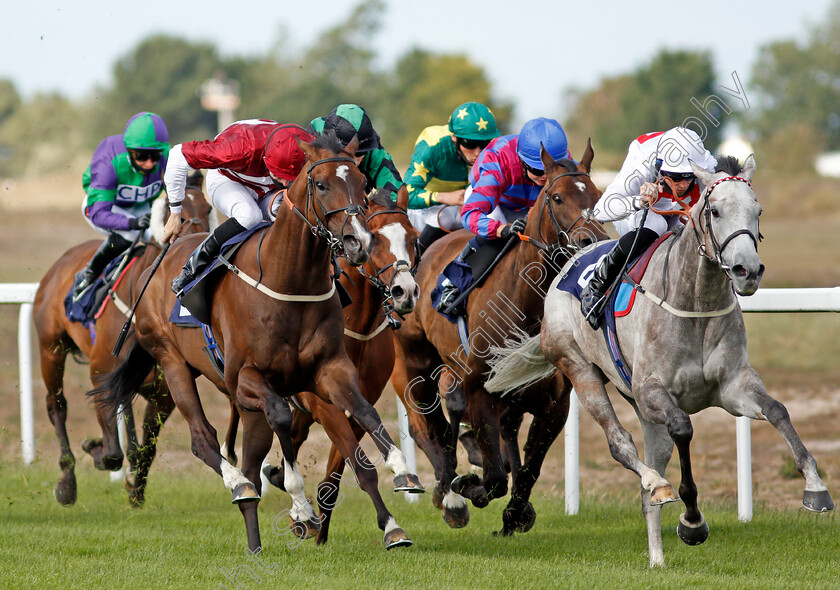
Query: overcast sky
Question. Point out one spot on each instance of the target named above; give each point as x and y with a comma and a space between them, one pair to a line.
532, 50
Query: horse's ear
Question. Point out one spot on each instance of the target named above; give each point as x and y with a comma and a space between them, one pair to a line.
547, 160
748, 170
352, 146
704, 175
307, 149
588, 155
402, 197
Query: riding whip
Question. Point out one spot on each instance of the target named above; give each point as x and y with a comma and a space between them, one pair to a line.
127, 325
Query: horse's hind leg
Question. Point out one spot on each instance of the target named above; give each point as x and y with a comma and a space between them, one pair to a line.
746, 396
53, 357
158, 410
656, 405
519, 516
658, 450
257, 437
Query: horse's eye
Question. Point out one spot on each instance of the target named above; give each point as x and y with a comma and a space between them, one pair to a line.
557, 198
715, 212
320, 185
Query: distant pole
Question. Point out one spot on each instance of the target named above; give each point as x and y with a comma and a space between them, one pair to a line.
220, 94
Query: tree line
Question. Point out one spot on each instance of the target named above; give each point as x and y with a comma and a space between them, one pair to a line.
794, 109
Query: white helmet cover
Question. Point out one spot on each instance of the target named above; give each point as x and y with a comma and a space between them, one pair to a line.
679, 145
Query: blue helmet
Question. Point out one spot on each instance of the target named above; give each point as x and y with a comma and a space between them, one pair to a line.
547, 132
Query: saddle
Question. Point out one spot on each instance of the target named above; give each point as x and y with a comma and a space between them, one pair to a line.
90, 305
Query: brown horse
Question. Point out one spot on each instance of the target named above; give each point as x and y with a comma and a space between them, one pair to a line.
429, 350
58, 336
280, 336
382, 286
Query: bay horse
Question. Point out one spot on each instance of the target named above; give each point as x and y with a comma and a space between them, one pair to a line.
381, 287
430, 352
58, 336
280, 335
685, 354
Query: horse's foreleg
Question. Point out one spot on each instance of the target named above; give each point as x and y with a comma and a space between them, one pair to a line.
658, 450
746, 396
53, 357
656, 405
338, 382
229, 446
257, 437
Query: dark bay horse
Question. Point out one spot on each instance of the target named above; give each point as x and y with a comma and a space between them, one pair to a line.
382, 284
686, 353
58, 336
429, 348
278, 339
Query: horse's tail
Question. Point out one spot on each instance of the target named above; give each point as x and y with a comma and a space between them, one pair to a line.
517, 364
119, 387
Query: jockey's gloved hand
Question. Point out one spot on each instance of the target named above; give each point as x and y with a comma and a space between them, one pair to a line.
141, 222
517, 226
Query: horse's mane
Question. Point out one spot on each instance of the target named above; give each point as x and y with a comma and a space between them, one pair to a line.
383, 199
728, 164
328, 140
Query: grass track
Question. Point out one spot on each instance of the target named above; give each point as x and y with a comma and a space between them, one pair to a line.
189, 531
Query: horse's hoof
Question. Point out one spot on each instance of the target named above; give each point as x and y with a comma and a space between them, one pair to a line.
275, 476
65, 489
245, 492
305, 529
397, 538
692, 534
818, 501
663, 495
462, 482
519, 521
408, 482
136, 497
437, 496
455, 513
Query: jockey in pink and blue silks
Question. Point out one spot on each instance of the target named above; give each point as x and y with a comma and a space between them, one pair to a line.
505, 182
121, 183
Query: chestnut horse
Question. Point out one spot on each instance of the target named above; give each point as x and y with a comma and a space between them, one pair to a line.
685, 353
58, 336
428, 348
382, 286
280, 335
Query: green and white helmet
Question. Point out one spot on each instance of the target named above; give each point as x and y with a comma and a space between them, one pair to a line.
474, 121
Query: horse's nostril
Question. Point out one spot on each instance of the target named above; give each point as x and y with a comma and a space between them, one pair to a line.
351, 244
739, 270
397, 292
417, 292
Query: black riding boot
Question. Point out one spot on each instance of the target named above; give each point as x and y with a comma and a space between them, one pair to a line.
592, 298
206, 252
428, 236
112, 247
451, 292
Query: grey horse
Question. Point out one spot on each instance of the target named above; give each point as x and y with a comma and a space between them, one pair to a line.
685, 345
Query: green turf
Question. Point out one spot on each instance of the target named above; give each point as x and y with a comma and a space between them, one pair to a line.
188, 533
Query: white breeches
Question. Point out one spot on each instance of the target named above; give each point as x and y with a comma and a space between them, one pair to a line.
446, 217
236, 200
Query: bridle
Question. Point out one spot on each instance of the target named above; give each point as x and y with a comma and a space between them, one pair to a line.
373, 276
717, 246
561, 232
320, 228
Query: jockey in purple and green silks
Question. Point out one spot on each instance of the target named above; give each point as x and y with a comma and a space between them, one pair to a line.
124, 177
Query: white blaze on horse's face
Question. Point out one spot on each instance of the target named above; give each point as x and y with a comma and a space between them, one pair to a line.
732, 208
404, 288
342, 171
581, 186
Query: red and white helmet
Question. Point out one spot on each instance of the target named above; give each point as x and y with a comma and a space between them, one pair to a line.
282, 156
679, 145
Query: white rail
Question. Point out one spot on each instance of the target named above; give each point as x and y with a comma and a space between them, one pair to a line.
764, 300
